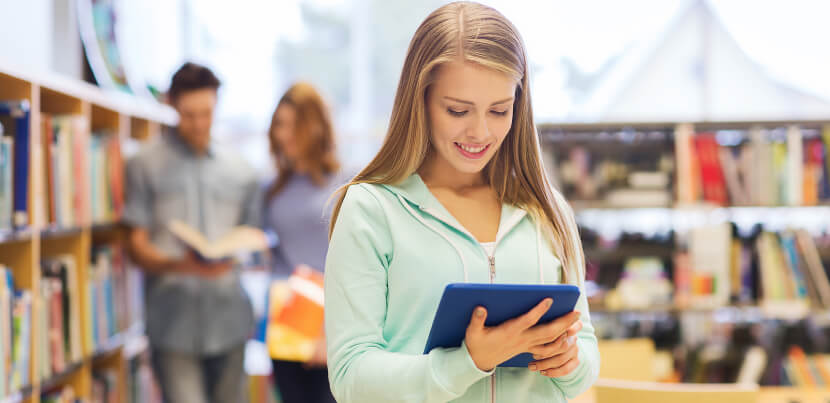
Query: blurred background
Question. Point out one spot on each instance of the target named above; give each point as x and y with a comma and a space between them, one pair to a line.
690, 136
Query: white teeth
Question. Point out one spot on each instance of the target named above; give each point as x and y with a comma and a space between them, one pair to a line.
473, 150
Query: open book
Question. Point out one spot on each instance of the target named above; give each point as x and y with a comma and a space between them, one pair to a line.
239, 239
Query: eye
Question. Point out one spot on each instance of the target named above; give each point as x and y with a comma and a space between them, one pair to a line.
456, 113
499, 113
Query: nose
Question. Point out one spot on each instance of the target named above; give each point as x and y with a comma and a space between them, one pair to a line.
479, 130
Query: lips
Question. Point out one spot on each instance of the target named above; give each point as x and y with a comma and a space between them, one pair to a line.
472, 151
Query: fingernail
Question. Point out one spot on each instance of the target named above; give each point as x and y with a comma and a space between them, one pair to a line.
571, 340
480, 312
532, 367
548, 303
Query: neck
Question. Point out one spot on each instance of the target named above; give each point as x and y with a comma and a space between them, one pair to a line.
300, 167
197, 149
436, 172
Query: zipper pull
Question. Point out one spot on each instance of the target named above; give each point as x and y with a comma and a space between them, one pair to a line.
492, 260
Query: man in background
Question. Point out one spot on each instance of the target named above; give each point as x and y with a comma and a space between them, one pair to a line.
197, 316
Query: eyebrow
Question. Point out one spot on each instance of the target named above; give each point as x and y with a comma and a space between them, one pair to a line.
470, 103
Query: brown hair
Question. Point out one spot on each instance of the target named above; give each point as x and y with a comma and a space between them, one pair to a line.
313, 132
475, 33
191, 77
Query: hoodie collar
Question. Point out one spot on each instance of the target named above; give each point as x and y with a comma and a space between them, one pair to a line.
415, 191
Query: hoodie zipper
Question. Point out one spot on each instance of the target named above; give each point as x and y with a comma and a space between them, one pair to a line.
492, 260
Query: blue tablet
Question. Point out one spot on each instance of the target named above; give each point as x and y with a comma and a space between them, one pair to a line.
503, 302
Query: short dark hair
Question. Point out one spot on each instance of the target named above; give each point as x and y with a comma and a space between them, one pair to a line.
191, 77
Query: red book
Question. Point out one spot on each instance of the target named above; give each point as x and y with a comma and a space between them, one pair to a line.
116, 176
711, 174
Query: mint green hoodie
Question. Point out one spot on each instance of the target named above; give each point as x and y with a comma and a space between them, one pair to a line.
393, 250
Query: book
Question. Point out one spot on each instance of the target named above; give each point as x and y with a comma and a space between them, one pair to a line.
15, 116
825, 138
710, 248
295, 315
686, 169
6, 183
46, 136
736, 190
792, 262
814, 268
239, 239
795, 166
714, 184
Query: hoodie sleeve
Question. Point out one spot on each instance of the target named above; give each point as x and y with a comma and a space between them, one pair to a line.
360, 367
587, 372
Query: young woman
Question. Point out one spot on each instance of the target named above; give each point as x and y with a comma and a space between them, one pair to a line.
302, 144
457, 193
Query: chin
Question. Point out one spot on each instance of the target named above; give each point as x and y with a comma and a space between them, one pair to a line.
469, 168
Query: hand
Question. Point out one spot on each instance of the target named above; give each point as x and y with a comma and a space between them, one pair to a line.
318, 359
191, 264
491, 346
558, 358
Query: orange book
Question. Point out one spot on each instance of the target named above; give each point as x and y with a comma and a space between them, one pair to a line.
295, 315
799, 361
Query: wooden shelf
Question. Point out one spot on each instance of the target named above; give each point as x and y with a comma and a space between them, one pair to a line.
10, 236
58, 232
62, 378
113, 100
130, 343
107, 113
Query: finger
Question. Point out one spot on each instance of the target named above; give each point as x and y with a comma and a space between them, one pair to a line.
478, 318
566, 369
532, 316
549, 332
555, 361
575, 328
558, 346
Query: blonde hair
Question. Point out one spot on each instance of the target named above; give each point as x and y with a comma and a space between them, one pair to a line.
313, 132
478, 34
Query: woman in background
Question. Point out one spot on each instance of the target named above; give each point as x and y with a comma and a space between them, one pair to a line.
302, 144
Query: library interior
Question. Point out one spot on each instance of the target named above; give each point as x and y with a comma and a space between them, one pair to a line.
184, 183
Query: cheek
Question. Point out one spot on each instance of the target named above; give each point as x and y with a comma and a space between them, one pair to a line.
502, 127
447, 128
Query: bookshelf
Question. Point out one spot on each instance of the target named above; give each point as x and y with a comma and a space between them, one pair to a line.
633, 243
106, 340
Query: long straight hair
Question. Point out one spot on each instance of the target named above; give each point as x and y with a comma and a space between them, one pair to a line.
472, 32
313, 132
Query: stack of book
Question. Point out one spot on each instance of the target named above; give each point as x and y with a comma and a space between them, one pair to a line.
777, 270
786, 167
83, 173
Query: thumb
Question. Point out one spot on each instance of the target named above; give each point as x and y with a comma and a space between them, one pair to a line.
479, 316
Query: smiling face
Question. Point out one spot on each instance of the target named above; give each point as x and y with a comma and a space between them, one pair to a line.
470, 113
